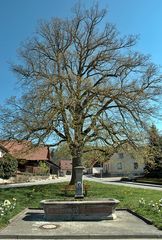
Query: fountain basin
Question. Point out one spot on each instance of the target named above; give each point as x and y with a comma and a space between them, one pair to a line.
79, 210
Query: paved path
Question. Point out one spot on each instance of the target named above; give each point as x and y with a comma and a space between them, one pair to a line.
84, 239
116, 181
108, 180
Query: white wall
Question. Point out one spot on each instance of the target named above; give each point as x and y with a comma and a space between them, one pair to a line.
97, 170
123, 165
1, 153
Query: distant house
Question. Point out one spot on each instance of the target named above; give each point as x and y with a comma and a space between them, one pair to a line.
123, 164
65, 167
96, 168
28, 155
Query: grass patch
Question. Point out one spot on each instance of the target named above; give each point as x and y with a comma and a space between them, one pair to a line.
128, 197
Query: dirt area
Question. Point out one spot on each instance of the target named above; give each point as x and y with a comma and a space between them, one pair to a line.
21, 178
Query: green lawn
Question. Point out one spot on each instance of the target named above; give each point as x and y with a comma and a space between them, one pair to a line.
129, 198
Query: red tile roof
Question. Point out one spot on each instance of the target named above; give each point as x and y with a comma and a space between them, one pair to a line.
25, 150
65, 164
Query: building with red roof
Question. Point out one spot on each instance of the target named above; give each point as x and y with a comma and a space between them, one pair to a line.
28, 155
25, 150
65, 167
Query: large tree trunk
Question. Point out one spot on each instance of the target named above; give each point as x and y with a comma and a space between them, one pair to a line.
76, 161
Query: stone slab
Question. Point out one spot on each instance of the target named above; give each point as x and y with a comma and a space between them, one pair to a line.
30, 224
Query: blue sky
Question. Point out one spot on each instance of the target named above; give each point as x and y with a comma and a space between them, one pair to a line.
19, 19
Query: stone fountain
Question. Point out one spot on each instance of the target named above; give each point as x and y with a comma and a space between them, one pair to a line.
80, 209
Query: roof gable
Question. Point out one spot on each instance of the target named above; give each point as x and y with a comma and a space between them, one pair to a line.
26, 150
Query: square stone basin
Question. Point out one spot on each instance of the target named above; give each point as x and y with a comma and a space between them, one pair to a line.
79, 210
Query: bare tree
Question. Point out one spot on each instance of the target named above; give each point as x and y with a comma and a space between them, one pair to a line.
82, 84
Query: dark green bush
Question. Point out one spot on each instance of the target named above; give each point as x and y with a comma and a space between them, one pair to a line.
8, 166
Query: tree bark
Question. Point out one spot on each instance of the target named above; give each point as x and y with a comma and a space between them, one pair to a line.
76, 161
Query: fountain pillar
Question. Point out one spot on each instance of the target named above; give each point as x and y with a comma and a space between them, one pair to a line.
79, 182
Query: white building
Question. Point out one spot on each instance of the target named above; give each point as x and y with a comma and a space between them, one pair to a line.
123, 164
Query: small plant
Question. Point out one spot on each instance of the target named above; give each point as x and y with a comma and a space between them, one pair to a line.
43, 168
142, 202
155, 207
7, 206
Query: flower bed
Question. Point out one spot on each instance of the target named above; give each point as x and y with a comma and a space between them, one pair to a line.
7, 206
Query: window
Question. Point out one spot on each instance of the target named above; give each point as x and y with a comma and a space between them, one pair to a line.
119, 166
135, 165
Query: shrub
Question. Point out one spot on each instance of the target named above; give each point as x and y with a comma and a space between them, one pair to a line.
43, 168
8, 166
